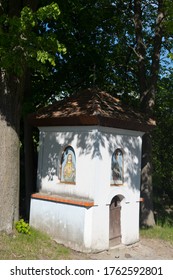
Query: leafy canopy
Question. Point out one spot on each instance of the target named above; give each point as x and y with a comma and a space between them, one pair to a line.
28, 39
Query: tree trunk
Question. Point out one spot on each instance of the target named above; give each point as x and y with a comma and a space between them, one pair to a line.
147, 214
30, 176
148, 89
10, 93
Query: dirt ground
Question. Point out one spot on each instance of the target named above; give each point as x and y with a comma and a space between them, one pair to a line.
145, 249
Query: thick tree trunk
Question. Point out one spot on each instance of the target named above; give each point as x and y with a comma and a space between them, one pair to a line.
147, 216
148, 89
10, 93
9, 175
147, 213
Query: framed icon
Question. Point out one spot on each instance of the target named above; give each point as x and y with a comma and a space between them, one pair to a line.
68, 166
117, 168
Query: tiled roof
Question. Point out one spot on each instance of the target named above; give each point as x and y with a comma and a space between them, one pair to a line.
91, 107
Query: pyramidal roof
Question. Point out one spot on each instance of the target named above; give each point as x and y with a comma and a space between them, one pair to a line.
91, 107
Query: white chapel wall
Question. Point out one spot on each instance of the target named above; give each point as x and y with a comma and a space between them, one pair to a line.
80, 227
93, 148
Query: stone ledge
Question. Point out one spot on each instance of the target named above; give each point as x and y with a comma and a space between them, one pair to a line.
63, 199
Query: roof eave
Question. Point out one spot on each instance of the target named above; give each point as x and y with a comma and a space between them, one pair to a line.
85, 120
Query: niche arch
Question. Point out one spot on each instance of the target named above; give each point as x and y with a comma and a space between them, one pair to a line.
117, 168
68, 166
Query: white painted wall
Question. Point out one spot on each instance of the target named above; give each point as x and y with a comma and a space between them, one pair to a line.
79, 227
54, 142
64, 222
93, 147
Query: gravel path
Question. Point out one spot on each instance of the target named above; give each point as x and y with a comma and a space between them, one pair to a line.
145, 249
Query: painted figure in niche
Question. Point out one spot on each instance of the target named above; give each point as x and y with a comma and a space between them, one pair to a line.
68, 166
117, 168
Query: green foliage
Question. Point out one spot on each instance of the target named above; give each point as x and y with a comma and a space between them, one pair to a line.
22, 227
162, 153
101, 44
28, 40
90, 43
97, 42
50, 11
162, 140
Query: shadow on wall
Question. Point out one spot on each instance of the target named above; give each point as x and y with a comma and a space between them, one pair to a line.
91, 143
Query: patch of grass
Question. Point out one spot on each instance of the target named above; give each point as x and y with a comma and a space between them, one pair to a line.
164, 232
36, 246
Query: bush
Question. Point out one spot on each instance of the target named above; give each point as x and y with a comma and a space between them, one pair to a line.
22, 227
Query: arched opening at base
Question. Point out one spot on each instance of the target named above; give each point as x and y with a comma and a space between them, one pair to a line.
115, 221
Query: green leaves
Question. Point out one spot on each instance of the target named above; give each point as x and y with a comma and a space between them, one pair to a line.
50, 11
44, 56
28, 19
29, 40
23, 227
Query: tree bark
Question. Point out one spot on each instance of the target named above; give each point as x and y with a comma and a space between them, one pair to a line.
10, 94
30, 178
148, 89
147, 212
140, 47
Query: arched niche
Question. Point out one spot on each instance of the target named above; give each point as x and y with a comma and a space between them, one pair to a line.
68, 166
117, 168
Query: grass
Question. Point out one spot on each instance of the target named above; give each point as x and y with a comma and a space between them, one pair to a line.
37, 246
164, 232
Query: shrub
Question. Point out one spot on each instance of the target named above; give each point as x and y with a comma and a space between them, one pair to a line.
22, 227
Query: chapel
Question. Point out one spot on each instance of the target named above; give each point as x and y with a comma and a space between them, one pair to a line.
89, 167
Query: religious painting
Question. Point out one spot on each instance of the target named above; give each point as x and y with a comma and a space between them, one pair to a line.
68, 166
117, 168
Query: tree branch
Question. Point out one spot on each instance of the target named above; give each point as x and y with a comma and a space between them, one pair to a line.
148, 99
140, 46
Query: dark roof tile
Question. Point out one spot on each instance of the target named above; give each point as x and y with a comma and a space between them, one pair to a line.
91, 107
